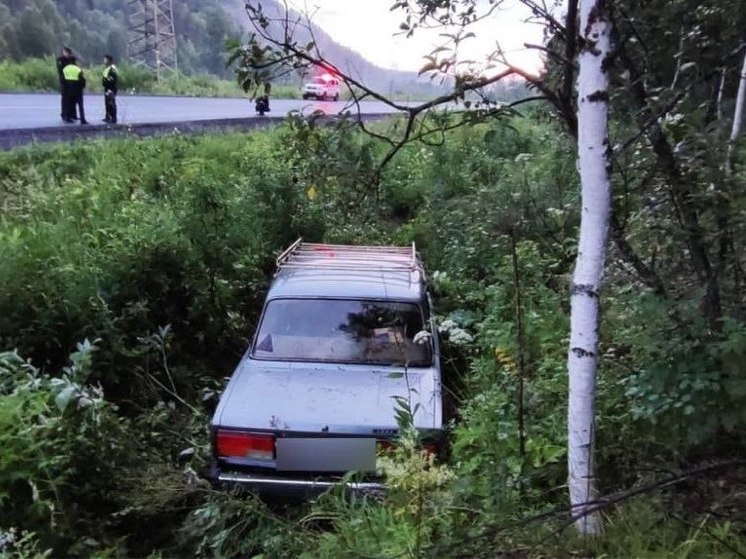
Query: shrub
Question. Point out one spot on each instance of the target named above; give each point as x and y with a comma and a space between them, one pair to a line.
62, 444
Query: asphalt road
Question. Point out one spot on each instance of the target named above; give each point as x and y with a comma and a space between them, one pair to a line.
38, 110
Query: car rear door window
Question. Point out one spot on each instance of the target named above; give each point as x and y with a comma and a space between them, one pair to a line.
342, 331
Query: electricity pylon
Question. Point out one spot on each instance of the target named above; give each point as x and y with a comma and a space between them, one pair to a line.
152, 38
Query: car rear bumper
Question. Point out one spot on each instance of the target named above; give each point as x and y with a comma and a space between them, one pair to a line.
276, 485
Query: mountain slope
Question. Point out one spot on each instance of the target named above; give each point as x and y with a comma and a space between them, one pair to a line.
349, 61
37, 28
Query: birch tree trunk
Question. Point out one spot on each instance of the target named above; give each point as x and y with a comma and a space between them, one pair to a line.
719, 103
735, 130
594, 163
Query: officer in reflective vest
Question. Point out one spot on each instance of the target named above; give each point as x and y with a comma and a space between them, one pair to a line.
110, 83
73, 87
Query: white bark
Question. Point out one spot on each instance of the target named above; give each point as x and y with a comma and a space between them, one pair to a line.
593, 162
679, 56
721, 87
735, 130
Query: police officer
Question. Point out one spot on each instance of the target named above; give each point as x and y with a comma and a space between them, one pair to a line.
110, 82
63, 60
74, 86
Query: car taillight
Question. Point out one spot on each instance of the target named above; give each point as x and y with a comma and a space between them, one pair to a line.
236, 444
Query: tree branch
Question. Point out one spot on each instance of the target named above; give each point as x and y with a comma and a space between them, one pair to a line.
286, 52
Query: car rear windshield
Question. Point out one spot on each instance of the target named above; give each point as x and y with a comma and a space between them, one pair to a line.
343, 331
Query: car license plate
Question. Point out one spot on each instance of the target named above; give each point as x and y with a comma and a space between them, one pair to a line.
326, 454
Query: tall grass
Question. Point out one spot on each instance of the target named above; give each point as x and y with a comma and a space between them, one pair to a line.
40, 75
34, 74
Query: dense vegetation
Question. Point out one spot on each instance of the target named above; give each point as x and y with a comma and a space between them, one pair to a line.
40, 74
129, 291
39, 28
133, 271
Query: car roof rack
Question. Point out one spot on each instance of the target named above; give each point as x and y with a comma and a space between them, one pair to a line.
351, 257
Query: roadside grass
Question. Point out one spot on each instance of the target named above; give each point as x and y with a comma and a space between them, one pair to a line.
40, 75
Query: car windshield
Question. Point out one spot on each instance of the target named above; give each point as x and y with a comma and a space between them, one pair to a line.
343, 331
321, 81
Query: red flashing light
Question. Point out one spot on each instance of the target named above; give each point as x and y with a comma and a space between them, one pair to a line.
236, 444
326, 76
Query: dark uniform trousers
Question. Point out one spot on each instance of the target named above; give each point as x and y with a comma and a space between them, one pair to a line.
110, 104
74, 98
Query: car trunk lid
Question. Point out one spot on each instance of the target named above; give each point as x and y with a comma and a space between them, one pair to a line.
333, 399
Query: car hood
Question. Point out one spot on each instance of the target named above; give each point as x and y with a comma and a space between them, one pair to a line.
329, 398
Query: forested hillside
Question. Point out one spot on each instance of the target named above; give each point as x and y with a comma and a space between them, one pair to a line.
37, 28
384, 80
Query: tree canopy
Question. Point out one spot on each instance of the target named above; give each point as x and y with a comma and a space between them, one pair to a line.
38, 28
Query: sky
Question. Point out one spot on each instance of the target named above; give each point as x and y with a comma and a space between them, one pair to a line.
370, 28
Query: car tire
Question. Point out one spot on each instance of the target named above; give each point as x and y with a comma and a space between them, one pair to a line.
322, 97
336, 96
305, 96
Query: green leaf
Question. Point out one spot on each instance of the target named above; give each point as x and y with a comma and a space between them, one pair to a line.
64, 397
